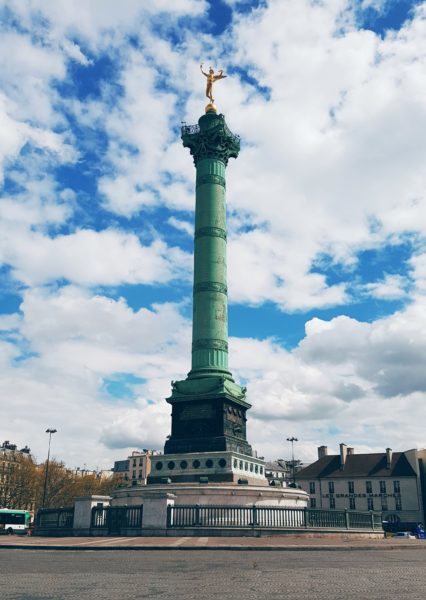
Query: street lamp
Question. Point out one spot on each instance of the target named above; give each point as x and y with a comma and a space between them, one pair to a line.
50, 432
293, 439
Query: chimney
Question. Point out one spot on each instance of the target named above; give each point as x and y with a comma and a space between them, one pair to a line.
388, 457
322, 451
343, 454
350, 452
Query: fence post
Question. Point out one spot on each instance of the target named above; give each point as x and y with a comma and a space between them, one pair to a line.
197, 514
372, 521
347, 518
169, 516
254, 513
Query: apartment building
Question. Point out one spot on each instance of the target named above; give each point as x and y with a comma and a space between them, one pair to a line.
390, 482
135, 467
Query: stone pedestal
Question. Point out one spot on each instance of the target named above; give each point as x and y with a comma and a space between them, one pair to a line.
155, 503
83, 512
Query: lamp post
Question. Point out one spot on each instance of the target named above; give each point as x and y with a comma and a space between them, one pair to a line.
293, 439
50, 432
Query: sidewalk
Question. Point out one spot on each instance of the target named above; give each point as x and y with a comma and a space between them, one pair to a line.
287, 543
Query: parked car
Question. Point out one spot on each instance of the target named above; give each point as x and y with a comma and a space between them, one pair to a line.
404, 534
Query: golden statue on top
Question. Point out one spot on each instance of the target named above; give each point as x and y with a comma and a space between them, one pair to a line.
212, 77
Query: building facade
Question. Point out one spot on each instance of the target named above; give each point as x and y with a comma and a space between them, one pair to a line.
136, 467
390, 482
280, 471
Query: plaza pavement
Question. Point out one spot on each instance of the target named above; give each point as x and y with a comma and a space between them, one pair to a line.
287, 543
187, 575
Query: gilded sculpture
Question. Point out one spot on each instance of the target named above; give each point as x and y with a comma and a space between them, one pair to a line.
211, 77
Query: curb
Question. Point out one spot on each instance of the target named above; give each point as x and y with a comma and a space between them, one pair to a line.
213, 548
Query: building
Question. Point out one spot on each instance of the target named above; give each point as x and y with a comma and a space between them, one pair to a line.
390, 482
136, 467
98, 473
280, 471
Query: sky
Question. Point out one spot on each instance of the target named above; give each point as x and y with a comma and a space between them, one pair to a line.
326, 219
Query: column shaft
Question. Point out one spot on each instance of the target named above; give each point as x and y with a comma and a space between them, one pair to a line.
210, 309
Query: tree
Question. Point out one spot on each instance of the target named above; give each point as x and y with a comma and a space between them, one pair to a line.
21, 482
63, 485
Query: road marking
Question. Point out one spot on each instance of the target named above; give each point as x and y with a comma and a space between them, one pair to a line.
202, 541
124, 540
98, 540
179, 542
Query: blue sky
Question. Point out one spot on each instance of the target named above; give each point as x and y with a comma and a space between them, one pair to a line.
326, 217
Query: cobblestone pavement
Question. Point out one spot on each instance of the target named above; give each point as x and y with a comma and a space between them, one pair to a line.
208, 575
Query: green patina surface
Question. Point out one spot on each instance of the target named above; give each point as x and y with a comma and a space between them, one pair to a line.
211, 145
209, 383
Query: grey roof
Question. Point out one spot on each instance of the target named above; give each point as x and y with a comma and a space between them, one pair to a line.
275, 466
358, 465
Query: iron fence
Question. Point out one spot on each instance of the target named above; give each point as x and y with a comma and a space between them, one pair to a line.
55, 518
116, 517
271, 517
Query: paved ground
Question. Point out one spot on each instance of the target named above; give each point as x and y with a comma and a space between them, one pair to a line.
287, 542
229, 575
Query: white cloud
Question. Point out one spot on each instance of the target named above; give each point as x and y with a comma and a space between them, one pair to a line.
180, 225
392, 287
72, 343
91, 258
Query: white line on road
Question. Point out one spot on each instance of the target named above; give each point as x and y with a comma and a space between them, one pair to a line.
179, 542
202, 541
100, 540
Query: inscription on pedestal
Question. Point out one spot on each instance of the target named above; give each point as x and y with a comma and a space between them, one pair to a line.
196, 411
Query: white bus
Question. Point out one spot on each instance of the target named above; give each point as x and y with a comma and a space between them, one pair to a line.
14, 521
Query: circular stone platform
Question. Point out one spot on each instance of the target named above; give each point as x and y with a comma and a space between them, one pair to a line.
212, 494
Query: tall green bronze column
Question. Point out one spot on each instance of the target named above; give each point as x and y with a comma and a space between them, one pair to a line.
211, 146
209, 408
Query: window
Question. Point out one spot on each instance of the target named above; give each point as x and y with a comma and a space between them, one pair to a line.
398, 504
134, 462
312, 487
313, 502
396, 487
370, 503
382, 487
331, 487
351, 487
368, 487
384, 503
352, 503
332, 503
140, 473
134, 474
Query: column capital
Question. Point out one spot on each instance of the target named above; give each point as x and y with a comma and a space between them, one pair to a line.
211, 138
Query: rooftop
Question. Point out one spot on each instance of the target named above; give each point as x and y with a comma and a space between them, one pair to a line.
358, 465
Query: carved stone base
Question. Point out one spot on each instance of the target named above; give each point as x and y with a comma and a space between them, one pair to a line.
208, 415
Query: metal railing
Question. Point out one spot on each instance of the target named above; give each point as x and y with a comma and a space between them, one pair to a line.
271, 517
116, 517
55, 518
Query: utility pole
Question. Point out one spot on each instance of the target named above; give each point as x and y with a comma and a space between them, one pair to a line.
293, 439
50, 432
